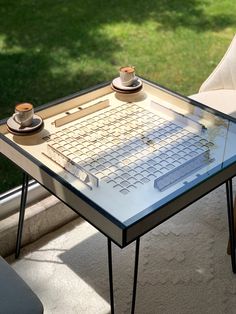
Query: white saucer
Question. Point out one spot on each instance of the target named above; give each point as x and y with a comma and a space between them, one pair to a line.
117, 84
15, 127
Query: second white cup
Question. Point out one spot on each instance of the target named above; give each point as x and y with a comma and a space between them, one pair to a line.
127, 75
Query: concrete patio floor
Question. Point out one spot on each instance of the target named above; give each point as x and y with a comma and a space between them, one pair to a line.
183, 269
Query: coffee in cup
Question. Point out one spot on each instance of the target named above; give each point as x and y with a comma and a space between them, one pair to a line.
24, 113
127, 75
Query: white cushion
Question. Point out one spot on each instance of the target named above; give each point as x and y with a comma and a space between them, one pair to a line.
16, 297
223, 100
224, 75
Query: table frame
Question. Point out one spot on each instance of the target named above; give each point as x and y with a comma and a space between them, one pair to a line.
192, 196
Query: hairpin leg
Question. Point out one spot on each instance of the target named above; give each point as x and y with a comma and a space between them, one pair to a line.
135, 275
22, 213
110, 274
229, 192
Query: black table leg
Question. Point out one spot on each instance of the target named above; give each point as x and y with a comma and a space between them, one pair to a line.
22, 212
230, 207
135, 275
110, 275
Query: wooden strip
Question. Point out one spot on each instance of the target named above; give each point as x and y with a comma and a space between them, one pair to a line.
82, 113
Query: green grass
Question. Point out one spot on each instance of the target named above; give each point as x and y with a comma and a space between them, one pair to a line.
49, 49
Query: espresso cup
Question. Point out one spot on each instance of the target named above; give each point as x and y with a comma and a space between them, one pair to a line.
127, 75
24, 114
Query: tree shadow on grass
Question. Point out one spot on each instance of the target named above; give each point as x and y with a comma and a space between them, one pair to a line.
76, 25
43, 35
30, 72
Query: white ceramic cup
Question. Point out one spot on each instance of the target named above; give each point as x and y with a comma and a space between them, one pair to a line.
127, 75
24, 114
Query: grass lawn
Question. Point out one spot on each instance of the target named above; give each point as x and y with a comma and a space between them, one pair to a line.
49, 49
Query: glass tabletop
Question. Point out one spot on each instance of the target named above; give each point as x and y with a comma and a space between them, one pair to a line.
131, 154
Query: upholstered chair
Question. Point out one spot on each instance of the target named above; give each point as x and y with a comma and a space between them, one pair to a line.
16, 297
219, 90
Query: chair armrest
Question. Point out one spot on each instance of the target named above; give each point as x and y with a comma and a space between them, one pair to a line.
15, 295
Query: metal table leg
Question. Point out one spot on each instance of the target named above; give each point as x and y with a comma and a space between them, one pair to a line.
135, 274
111, 275
229, 192
22, 212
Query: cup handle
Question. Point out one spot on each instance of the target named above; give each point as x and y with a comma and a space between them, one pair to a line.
14, 117
132, 81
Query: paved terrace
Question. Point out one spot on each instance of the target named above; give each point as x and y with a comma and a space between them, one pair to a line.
184, 267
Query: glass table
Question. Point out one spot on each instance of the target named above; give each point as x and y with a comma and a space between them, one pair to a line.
125, 161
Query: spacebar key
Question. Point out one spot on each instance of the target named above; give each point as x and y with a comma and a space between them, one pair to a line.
189, 167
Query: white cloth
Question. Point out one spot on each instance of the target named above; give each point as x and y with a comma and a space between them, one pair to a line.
224, 75
223, 100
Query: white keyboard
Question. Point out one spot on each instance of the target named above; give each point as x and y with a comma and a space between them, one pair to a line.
126, 147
